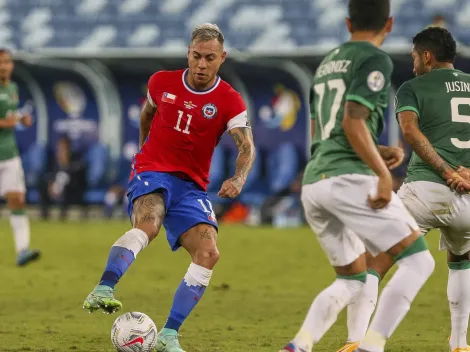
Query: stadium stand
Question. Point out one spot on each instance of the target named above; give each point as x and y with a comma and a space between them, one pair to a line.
91, 24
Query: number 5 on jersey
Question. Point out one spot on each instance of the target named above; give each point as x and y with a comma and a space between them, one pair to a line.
188, 122
457, 117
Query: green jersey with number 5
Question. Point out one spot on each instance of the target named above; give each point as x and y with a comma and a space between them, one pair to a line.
441, 99
8, 106
358, 72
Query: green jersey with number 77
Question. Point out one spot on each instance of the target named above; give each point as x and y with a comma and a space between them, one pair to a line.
356, 71
441, 99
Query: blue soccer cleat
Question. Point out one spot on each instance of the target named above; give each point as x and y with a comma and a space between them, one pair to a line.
27, 256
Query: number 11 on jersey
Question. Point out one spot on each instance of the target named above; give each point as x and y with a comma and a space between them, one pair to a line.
177, 127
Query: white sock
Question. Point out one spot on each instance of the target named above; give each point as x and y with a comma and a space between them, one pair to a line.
395, 300
458, 293
134, 240
325, 309
197, 276
361, 309
21, 232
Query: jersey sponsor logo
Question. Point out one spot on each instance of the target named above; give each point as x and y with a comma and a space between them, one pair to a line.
169, 98
209, 111
189, 105
376, 81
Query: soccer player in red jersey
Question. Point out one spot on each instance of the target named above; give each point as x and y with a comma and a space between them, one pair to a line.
186, 114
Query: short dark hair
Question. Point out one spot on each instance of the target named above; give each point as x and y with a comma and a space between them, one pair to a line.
368, 15
438, 41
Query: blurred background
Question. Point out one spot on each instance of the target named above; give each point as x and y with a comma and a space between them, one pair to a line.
82, 67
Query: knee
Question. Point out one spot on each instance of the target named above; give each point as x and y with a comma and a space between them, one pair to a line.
151, 230
422, 263
427, 264
206, 257
16, 201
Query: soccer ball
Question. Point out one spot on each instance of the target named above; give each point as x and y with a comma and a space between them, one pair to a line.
134, 332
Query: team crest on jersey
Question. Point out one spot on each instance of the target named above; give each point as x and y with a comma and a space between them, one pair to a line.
376, 81
209, 111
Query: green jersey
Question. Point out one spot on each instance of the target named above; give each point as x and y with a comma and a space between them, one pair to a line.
355, 71
8, 105
441, 99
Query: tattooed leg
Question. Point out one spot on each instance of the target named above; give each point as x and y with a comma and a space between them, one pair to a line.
201, 243
148, 213
147, 218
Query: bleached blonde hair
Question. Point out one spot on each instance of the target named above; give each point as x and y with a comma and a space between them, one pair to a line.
205, 32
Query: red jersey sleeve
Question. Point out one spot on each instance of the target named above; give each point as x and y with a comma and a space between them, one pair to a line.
152, 89
237, 115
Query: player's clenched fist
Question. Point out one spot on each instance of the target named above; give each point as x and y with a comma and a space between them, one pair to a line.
231, 188
393, 157
384, 193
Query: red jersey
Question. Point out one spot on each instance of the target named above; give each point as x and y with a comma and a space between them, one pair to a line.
188, 125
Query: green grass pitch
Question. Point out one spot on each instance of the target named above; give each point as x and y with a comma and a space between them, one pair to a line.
259, 294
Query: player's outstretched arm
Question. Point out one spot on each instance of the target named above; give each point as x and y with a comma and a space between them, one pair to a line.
420, 144
146, 117
355, 128
243, 138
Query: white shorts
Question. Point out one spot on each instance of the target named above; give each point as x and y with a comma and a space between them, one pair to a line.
435, 205
345, 225
11, 176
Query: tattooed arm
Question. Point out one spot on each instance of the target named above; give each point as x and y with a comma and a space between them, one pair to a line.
146, 117
243, 139
421, 145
